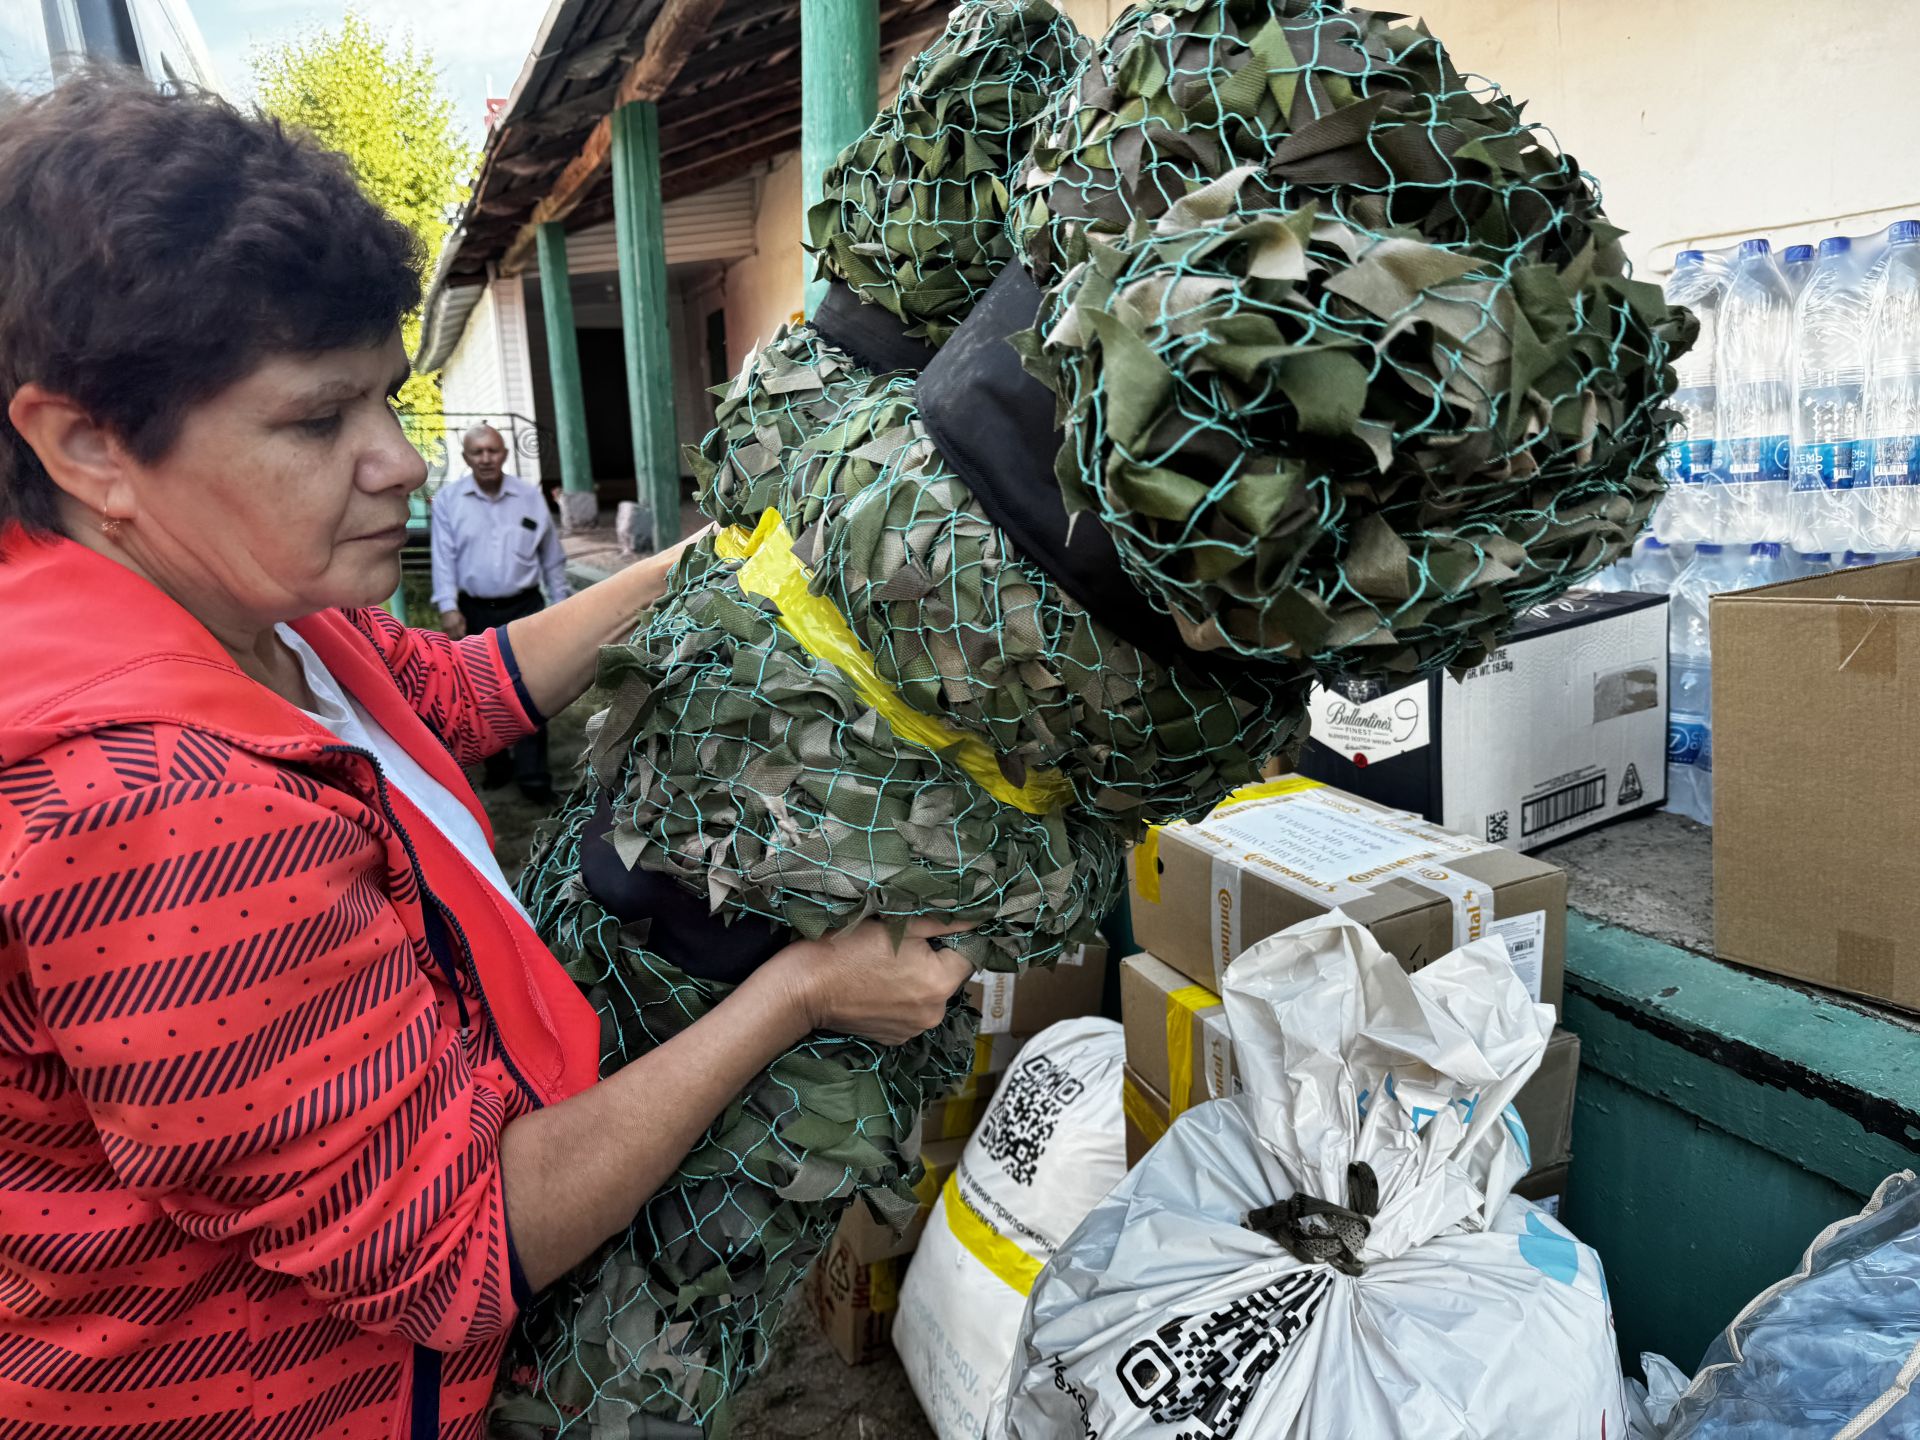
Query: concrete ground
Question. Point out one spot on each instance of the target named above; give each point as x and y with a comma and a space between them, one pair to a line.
806, 1392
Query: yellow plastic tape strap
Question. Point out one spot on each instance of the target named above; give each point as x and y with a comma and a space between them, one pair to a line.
1146, 855
1144, 1117
773, 571
1015, 1267
883, 1286
1183, 1006
1268, 790
1146, 866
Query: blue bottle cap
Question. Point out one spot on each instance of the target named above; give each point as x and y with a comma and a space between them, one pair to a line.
1816, 557
1654, 542
1689, 257
1796, 254
1860, 557
1751, 248
1834, 245
1904, 232
1708, 549
1766, 550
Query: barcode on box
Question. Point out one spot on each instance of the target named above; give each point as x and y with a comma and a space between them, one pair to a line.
1569, 802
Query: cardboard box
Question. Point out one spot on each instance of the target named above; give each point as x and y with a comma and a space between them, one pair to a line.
1546, 1188
1180, 1054
1146, 1115
869, 1241
1545, 1102
1294, 848
1816, 772
1177, 1041
854, 1302
1024, 1005
1561, 729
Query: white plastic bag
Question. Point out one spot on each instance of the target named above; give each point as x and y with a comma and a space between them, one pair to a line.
1166, 1315
1050, 1147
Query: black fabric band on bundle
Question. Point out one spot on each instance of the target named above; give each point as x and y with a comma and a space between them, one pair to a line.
681, 929
994, 424
872, 336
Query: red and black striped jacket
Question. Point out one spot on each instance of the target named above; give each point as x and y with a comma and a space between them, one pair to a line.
261, 1025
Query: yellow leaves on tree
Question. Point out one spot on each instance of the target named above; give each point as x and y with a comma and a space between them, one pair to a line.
377, 99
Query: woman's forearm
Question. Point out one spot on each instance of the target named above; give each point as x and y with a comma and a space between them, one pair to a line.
579, 1171
558, 648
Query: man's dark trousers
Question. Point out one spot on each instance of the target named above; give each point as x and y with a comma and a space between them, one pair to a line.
526, 762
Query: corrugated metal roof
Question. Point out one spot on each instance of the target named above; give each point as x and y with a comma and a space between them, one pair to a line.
733, 106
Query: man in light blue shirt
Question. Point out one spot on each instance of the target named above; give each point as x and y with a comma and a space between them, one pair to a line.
494, 545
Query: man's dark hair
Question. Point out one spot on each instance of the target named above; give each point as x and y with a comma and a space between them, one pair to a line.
156, 247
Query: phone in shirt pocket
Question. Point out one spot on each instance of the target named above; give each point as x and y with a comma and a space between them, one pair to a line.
526, 538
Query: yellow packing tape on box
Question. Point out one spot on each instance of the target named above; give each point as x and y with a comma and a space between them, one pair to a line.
1146, 855
1145, 1119
773, 571
1002, 1256
1184, 1006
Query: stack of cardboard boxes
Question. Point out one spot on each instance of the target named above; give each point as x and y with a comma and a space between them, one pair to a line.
1269, 858
853, 1286
1294, 849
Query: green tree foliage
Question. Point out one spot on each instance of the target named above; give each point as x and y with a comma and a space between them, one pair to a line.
377, 99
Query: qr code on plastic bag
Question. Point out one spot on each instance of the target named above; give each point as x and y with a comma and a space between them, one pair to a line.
1023, 1116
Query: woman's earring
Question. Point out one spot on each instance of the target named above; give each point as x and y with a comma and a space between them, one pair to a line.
110, 527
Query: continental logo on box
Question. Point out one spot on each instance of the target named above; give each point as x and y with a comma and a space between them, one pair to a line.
1223, 903
1254, 859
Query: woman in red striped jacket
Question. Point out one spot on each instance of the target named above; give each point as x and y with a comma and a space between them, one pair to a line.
294, 1106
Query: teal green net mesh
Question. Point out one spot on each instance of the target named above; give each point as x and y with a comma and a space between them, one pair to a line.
968, 628
774, 427
912, 211
1347, 355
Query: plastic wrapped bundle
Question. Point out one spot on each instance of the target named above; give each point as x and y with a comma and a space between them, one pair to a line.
1347, 357
912, 211
1829, 1352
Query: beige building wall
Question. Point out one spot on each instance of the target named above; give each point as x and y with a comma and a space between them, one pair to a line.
763, 291
1712, 120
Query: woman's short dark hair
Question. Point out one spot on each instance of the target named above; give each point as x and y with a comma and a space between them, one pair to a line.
156, 247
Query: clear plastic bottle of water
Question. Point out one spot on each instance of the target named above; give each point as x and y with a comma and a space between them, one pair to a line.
1691, 456
1796, 263
1855, 559
1829, 395
1892, 419
1655, 567
1713, 570
1756, 402
1813, 562
1617, 576
1766, 565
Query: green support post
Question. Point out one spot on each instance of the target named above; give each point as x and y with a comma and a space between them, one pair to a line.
839, 93
640, 235
578, 506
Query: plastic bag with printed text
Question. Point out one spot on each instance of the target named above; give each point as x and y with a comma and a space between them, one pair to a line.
1336, 1251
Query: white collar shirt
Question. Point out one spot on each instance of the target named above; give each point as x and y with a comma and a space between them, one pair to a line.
495, 545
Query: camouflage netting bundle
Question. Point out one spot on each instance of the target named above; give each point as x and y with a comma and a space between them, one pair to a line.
669, 1318
970, 629
737, 761
912, 210
1345, 351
